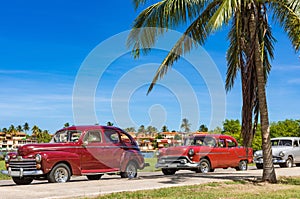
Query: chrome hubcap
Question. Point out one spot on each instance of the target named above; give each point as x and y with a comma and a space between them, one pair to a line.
61, 175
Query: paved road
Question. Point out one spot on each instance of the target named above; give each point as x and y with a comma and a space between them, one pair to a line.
81, 187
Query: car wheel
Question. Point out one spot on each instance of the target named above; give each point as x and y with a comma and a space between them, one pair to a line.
259, 166
289, 163
204, 166
243, 166
130, 171
60, 173
22, 181
168, 171
94, 177
297, 165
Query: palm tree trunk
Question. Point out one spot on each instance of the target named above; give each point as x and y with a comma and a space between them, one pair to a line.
268, 169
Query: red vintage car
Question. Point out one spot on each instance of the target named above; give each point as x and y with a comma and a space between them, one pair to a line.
203, 153
78, 150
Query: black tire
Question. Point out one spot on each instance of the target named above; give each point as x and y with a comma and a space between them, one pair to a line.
59, 174
130, 171
204, 166
289, 163
168, 171
259, 166
94, 177
243, 166
297, 164
22, 181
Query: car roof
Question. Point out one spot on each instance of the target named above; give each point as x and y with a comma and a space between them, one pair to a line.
89, 127
220, 136
285, 138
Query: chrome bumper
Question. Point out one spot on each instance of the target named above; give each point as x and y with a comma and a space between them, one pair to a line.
21, 172
275, 161
178, 166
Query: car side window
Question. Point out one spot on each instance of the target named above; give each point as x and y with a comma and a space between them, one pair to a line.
125, 138
296, 144
230, 143
93, 136
222, 143
111, 136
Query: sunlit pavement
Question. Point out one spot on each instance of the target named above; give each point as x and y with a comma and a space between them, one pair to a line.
81, 187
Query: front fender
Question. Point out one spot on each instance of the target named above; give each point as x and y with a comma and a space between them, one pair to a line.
51, 158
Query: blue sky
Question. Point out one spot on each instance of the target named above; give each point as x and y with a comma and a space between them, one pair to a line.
44, 45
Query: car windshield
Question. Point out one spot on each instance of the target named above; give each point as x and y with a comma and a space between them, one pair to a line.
66, 136
200, 141
281, 142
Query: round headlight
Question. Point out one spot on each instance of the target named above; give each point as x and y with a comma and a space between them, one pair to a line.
38, 157
7, 158
191, 152
281, 154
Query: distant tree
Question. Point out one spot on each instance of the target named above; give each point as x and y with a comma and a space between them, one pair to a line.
19, 128
185, 125
164, 129
217, 130
4, 130
287, 128
26, 127
142, 129
151, 130
66, 125
12, 130
130, 129
43, 136
203, 128
35, 130
109, 124
233, 128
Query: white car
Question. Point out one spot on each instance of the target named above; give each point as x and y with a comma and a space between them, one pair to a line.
285, 151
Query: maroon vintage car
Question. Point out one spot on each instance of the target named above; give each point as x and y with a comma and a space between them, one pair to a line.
77, 150
203, 153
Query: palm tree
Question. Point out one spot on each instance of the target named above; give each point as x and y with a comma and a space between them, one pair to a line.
66, 125
164, 129
19, 128
251, 47
36, 131
26, 127
185, 125
12, 130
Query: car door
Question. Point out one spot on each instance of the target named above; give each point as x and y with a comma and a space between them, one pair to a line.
233, 153
113, 148
92, 160
296, 151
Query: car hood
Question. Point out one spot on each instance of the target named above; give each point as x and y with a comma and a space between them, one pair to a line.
275, 150
183, 150
31, 148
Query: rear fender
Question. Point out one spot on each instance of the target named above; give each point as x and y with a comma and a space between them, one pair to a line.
133, 156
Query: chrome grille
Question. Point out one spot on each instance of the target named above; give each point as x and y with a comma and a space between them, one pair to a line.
173, 159
25, 164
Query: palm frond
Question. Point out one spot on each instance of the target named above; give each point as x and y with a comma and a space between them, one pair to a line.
234, 54
288, 15
196, 34
223, 14
138, 3
162, 15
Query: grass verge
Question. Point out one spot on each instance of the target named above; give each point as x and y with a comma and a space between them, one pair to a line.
151, 168
2, 167
286, 188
